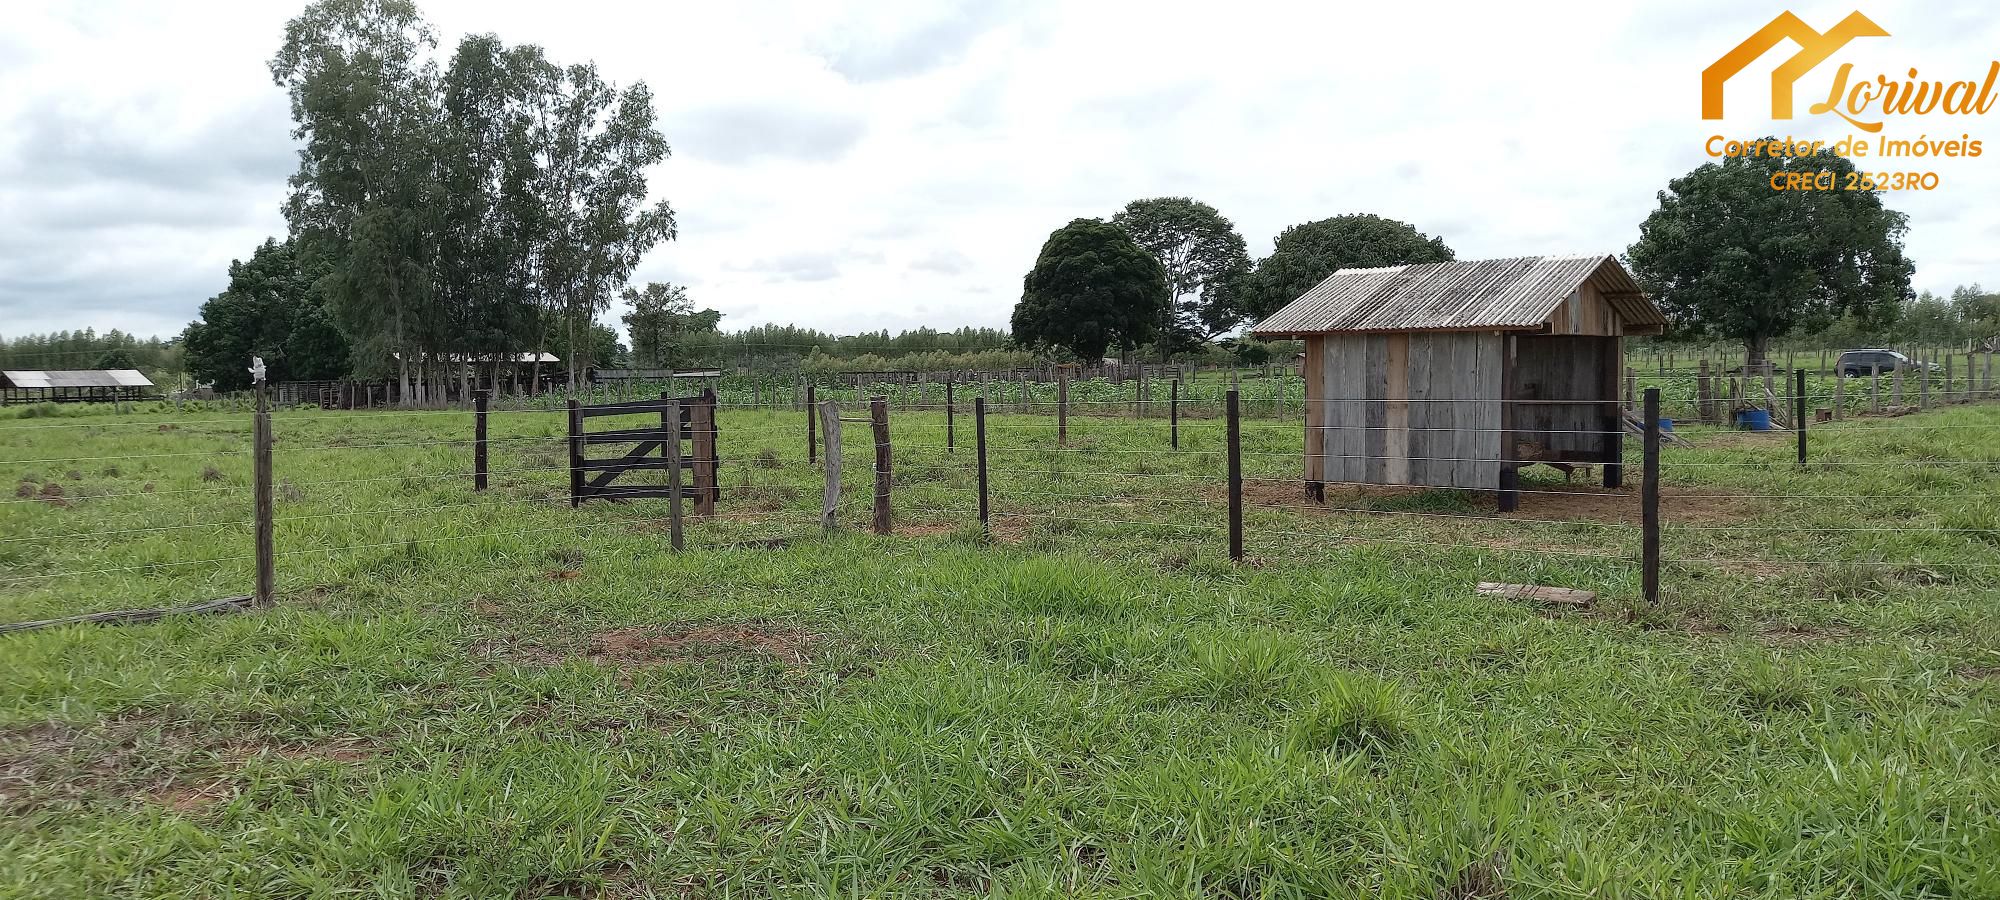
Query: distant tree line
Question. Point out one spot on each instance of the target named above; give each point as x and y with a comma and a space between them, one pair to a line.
86, 349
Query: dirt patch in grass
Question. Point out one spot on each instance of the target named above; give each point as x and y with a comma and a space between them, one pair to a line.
657, 645
1798, 634
186, 767
1978, 673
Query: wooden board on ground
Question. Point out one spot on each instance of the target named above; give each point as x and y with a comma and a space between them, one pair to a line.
1538, 593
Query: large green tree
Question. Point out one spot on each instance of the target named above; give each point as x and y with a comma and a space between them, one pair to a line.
271, 308
592, 144
1727, 255
1092, 288
661, 323
364, 107
1205, 259
1303, 255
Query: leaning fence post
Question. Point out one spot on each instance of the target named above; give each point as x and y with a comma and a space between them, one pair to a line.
979, 432
1174, 414
1062, 410
1235, 478
1799, 412
812, 436
1649, 503
267, 571
878, 419
829, 413
670, 422
479, 440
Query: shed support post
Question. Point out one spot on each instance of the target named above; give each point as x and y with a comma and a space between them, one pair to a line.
1509, 497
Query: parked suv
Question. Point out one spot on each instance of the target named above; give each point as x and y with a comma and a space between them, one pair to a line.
1856, 363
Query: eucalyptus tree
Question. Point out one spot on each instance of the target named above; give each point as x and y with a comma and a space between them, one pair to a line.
364, 105
590, 144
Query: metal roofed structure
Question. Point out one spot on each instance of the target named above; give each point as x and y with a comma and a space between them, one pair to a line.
1457, 374
72, 385
1520, 293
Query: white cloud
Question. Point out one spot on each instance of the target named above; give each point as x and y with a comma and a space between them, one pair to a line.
886, 165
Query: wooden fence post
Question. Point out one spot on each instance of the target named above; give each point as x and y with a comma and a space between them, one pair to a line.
1649, 503
979, 432
1949, 379
707, 485
1875, 388
1062, 410
267, 567
1174, 414
878, 419
950, 425
575, 454
1896, 380
1235, 479
1705, 393
812, 431
1631, 387
1839, 396
830, 414
1799, 411
670, 422
1924, 383
479, 440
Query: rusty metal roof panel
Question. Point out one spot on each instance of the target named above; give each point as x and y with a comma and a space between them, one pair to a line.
1520, 292
76, 378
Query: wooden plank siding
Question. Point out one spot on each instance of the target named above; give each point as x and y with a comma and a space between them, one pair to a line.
1384, 424
1564, 368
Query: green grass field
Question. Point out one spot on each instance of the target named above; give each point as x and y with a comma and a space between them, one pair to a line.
494, 695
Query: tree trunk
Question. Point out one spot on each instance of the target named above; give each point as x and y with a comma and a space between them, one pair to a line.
1755, 349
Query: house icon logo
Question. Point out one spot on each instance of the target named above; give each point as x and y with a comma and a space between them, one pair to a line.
1814, 48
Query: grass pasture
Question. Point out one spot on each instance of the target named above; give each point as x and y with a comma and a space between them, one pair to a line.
494, 695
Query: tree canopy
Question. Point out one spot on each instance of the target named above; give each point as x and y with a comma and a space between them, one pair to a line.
1092, 288
468, 212
661, 322
1303, 255
1205, 259
1726, 255
270, 309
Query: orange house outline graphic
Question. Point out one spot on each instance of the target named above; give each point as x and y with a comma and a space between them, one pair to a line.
1814, 48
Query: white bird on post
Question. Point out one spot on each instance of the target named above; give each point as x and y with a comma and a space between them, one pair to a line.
257, 370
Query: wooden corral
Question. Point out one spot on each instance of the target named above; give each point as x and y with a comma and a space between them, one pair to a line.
1456, 374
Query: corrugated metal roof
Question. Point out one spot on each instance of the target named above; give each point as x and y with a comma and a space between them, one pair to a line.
75, 378
1488, 293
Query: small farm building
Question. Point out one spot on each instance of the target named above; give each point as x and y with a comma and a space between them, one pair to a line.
1456, 374
76, 385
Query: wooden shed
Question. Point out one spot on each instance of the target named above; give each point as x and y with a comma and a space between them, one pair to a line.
1456, 374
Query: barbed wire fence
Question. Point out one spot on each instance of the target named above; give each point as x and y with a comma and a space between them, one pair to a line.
1042, 460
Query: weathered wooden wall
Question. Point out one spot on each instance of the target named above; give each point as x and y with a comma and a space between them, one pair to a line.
1566, 368
1377, 414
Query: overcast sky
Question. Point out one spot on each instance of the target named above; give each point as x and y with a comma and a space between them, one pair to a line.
878, 165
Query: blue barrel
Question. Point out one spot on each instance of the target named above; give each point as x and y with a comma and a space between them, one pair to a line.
1754, 420
1666, 425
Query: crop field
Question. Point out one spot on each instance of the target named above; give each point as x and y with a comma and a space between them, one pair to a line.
491, 694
